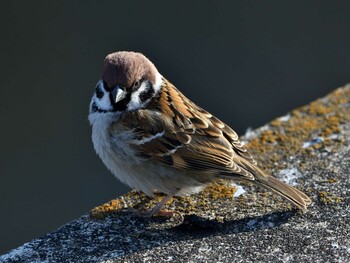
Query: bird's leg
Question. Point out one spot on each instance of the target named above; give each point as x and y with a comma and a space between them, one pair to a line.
156, 210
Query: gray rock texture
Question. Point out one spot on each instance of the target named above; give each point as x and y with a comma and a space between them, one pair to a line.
308, 148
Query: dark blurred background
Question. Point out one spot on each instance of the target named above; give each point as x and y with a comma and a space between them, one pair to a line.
245, 61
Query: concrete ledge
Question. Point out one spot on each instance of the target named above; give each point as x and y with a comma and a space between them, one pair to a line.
309, 148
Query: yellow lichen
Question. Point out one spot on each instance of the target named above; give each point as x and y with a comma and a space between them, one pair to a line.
321, 118
315, 108
101, 211
220, 189
329, 198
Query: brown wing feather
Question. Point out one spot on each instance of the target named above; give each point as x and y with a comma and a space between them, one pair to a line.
176, 132
193, 139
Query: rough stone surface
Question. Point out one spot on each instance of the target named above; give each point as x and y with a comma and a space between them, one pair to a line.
308, 148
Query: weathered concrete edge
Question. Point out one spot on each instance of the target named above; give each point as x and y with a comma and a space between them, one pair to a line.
32, 250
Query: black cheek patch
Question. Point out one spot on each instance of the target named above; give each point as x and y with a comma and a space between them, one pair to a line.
99, 92
147, 93
94, 107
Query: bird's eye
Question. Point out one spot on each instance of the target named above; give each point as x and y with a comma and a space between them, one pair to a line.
136, 84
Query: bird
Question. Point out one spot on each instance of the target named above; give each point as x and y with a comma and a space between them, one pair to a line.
156, 140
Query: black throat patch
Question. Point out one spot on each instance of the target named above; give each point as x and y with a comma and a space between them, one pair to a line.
122, 104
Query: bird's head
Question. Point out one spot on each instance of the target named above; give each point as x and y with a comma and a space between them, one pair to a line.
129, 81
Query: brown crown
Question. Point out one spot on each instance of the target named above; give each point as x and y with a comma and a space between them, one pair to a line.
124, 68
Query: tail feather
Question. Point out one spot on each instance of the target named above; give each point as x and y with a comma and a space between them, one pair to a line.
259, 177
290, 193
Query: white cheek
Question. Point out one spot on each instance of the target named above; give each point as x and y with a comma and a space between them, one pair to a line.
135, 102
104, 103
158, 83
135, 98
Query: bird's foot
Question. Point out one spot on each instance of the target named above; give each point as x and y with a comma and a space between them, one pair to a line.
156, 210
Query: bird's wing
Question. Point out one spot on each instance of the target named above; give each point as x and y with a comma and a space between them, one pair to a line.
176, 132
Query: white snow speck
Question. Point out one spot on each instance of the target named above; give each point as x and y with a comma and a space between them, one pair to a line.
251, 134
285, 117
289, 175
240, 190
312, 142
334, 136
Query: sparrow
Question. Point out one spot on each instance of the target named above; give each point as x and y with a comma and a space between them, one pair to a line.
156, 140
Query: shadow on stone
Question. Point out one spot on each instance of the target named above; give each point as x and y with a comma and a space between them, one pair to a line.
198, 225
147, 235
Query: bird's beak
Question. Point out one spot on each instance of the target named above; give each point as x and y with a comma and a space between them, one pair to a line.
118, 94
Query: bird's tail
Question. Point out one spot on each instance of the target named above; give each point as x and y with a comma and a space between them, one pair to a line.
295, 196
259, 177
